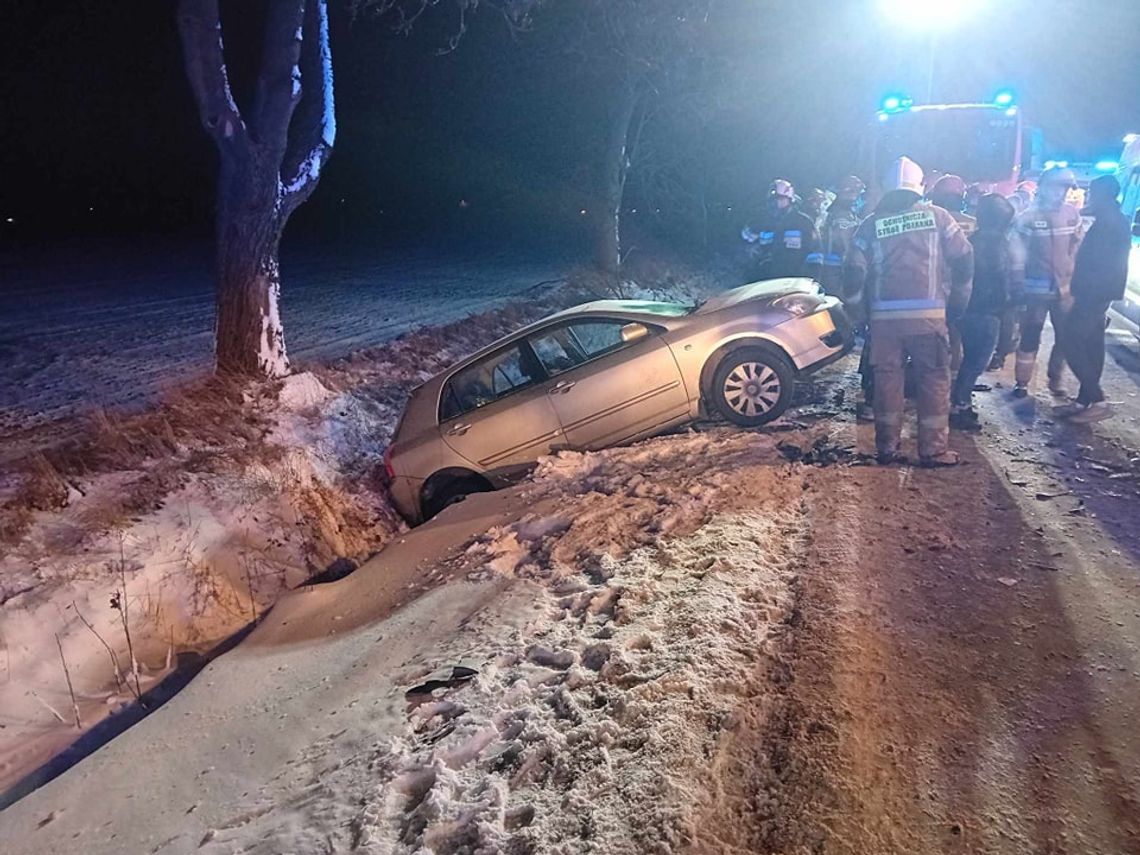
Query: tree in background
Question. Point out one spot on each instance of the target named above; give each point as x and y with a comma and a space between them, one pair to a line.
271, 156
646, 50
684, 140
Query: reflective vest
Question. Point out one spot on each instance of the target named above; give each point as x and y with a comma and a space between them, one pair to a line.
1044, 250
904, 258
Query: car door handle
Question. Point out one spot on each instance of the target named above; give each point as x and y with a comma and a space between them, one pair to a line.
459, 429
562, 387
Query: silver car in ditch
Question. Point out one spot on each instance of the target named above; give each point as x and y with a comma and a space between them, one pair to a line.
605, 373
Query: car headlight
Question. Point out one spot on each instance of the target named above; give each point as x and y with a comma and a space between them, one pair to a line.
797, 304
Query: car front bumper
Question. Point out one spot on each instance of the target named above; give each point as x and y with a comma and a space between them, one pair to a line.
823, 336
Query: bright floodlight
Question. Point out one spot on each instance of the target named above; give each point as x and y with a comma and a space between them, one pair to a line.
1107, 166
1004, 98
929, 15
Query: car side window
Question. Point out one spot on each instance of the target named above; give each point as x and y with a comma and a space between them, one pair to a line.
489, 379
571, 344
558, 350
598, 337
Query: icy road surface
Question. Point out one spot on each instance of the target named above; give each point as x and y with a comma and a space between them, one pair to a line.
80, 328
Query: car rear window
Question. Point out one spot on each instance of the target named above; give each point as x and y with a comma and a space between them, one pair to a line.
489, 379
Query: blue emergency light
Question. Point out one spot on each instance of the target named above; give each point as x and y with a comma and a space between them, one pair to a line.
897, 103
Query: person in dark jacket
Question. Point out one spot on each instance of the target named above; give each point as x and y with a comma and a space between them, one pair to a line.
785, 242
1099, 277
989, 300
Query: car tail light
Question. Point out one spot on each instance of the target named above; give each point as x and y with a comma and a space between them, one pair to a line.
388, 463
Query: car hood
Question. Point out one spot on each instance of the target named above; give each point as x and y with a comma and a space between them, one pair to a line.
767, 290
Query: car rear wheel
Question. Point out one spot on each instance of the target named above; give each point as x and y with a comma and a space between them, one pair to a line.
753, 386
444, 491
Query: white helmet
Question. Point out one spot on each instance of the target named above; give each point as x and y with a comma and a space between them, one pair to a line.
782, 187
904, 174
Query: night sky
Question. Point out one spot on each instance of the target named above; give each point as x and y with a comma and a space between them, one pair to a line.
97, 115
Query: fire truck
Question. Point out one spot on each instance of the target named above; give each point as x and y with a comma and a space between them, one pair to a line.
987, 143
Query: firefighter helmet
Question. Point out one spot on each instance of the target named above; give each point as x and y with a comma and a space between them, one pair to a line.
850, 187
948, 185
904, 174
783, 188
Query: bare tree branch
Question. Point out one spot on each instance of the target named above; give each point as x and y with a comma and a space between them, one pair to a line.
200, 28
279, 82
315, 131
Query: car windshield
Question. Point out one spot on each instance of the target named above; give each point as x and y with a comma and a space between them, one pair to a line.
655, 307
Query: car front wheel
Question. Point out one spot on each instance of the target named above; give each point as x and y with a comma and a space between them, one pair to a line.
753, 386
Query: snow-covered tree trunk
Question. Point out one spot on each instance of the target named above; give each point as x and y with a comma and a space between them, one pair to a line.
248, 334
615, 168
269, 164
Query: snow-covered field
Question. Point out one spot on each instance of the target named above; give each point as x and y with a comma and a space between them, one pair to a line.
113, 327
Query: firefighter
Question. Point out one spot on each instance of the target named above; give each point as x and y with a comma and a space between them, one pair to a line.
1045, 242
949, 192
785, 241
1023, 196
1021, 199
842, 220
815, 205
899, 259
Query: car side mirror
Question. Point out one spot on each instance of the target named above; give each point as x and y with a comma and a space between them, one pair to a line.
634, 332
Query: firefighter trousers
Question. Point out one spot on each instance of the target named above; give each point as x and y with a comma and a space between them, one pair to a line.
929, 354
1033, 318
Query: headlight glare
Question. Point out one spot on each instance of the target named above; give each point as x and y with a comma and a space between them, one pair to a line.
797, 304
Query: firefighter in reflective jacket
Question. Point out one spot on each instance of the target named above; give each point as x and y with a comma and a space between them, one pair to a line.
785, 241
842, 220
1046, 237
913, 267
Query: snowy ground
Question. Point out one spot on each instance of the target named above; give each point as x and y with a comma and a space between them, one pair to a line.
156, 536
96, 327
149, 556
617, 624
690, 645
